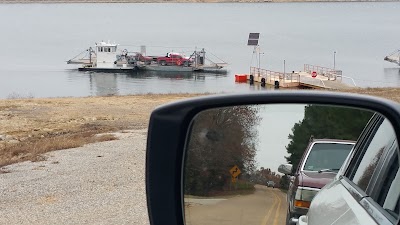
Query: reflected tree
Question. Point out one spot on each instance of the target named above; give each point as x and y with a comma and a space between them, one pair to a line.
369, 170
219, 139
325, 122
284, 182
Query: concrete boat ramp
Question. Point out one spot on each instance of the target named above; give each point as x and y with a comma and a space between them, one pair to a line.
315, 77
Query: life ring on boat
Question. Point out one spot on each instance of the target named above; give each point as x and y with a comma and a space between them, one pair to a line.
179, 62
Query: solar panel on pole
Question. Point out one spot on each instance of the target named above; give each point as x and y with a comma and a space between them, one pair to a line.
252, 42
253, 39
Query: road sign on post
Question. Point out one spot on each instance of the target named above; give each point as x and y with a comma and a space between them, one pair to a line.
233, 179
235, 171
314, 74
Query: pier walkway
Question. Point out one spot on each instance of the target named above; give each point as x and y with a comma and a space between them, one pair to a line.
312, 77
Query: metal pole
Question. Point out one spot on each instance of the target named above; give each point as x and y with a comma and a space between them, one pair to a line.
334, 61
259, 56
254, 54
90, 55
284, 70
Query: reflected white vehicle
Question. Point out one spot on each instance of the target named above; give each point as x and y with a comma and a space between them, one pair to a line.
271, 184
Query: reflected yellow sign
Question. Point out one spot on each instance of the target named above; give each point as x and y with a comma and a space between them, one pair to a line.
235, 171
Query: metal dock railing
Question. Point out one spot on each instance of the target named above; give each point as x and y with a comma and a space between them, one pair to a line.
312, 77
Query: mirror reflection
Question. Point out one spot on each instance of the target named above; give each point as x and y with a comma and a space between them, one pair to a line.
263, 164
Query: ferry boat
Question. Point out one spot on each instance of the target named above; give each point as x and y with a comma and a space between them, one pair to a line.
104, 57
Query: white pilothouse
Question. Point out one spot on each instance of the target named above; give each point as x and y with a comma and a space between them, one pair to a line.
104, 57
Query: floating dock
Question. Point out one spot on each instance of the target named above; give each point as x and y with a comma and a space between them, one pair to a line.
315, 77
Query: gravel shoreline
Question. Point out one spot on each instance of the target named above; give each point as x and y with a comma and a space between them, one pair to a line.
101, 183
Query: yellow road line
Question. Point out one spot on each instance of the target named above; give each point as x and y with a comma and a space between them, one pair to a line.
265, 220
278, 212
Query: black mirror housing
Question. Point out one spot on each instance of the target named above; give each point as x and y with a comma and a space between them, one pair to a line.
168, 132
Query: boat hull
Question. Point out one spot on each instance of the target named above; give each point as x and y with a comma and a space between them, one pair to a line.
212, 70
109, 70
167, 68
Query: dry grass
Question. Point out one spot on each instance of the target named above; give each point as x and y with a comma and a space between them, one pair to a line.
33, 148
388, 93
37, 126
106, 137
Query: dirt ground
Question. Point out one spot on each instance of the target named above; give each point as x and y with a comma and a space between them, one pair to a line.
28, 122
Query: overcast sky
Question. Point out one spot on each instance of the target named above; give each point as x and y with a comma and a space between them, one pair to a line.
275, 126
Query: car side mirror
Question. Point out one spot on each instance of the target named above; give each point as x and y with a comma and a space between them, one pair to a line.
203, 151
285, 169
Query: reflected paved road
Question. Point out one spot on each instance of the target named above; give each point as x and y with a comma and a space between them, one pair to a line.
265, 206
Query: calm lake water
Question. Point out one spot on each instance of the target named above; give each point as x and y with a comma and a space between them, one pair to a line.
37, 39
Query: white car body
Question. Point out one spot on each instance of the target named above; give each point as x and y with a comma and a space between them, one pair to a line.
345, 201
343, 208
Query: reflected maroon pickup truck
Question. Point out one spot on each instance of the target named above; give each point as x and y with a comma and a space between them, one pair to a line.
321, 161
